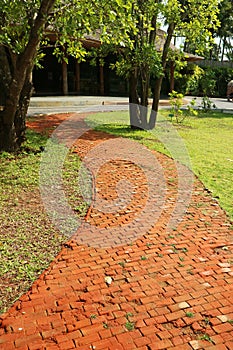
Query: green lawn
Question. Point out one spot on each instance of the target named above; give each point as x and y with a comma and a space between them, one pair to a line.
209, 142
28, 240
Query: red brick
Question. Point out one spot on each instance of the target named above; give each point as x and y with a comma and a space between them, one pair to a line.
74, 335
139, 324
164, 334
95, 328
217, 339
177, 340
105, 333
27, 340
161, 344
227, 336
183, 297
181, 347
89, 339
175, 315
158, 283
7, 345
162, 311
117, 330
229, 345
125, 338
83, 323
220, 347
51, 347
33, 345
148, 330
142, 341
66, 345
102, 344
224, 327
115, 344
160, 319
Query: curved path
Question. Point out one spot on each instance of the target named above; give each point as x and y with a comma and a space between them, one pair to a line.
162, 289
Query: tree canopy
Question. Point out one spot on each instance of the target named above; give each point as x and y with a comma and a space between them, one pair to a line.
23, 28
225, 31
147, 53
130, 26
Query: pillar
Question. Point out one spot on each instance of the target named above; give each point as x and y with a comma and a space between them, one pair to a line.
101, 80
64, 78
77, 77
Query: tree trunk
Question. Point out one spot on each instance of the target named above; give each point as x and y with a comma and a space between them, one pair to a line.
17, 85
139, 101
223, 48
7, 128
7, 137
172, 76
155, 103
20, 115
158, 83
15, 97
134, 111
12, 118
144, 96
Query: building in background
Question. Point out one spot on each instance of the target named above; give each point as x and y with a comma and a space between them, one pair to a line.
85, 79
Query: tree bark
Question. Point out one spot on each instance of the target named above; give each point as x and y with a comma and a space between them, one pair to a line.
15, 105
20, 122
17, 83
7, 129
144, 96
158, 82
223, 48
134, 100
155, 102
172, 77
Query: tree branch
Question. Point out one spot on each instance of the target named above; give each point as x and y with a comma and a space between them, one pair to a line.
153, 32
34, 38
167, 43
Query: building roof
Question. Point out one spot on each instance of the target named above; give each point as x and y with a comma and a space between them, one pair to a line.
94, 40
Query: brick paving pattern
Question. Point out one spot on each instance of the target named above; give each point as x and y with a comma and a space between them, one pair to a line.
167, 289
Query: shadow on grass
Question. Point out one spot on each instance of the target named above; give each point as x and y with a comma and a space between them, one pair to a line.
145, 137
214, 114
123, 131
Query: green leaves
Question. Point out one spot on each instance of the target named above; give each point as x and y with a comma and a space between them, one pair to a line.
198, 23
121, 22
16, 20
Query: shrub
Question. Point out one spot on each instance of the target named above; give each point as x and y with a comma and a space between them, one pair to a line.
202, 81
176, 100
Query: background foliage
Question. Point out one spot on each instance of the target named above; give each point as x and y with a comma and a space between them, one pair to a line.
201, 81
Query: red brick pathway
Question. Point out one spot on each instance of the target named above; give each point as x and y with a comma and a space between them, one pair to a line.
168, 290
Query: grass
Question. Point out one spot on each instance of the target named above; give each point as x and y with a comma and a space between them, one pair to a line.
70, 182
28, 241
209, 140
206, 337
207, 137
117, 123
129, 326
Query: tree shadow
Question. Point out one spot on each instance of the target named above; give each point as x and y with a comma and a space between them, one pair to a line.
215, 114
